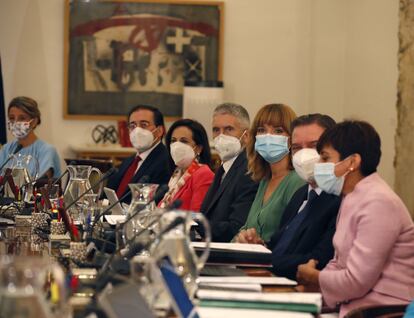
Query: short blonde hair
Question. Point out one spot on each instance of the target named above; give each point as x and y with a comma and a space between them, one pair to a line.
278, 115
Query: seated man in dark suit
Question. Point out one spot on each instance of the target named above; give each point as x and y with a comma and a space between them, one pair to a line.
151, 162
308, 222
228, 200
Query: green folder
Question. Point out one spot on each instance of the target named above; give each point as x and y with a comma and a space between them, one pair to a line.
308, 308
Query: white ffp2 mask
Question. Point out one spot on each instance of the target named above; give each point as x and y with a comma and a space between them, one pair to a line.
182, 154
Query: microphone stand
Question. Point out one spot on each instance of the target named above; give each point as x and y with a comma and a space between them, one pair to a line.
18, 148
176, 204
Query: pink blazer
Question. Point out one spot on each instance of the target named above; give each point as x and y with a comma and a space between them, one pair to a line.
374, 250
192, 193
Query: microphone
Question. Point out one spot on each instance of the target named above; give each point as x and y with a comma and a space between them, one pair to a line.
174, 205
138, 247
159, 194
102, 179
18, 148
144, 179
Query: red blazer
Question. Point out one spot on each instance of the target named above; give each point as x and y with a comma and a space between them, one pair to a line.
192, 193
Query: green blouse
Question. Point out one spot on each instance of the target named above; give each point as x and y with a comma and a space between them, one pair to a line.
265, 218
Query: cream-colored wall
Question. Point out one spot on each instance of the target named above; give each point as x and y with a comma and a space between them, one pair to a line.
354, 66
332, 56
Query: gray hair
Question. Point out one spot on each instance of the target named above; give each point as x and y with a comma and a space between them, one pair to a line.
235, 110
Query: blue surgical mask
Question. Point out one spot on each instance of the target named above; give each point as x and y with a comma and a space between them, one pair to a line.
272, 148
324, 174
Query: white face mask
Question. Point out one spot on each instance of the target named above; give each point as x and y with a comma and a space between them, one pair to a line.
304, 161
227, 146
19, 129
182, 154
141, 139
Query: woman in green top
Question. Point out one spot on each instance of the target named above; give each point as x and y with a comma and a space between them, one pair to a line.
270, 163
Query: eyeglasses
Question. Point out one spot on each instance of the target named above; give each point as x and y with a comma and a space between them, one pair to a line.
142, 123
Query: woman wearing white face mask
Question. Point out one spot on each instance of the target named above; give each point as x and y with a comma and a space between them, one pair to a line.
374, 238
269, 157
189, 149
23, 117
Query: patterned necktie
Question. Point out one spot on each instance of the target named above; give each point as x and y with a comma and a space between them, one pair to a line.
288, 232
129, 174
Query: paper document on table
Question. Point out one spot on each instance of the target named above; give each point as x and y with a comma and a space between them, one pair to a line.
296, 298
113, 219
231, 287
211, 312
237, 247
282, 281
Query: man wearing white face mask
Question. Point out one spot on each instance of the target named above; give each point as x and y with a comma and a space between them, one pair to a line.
146, 129
308, 222
228, 200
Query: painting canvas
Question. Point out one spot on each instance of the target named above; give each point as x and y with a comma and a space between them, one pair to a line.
123, 53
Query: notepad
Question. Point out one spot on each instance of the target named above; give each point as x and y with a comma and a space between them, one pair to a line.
230, 287
237, 247
113, 219
236, 254
210, 312
280, 281
303, 302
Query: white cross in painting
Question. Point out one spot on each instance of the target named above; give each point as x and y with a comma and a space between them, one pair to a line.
179, 40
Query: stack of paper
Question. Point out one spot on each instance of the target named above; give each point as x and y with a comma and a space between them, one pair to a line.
241, 283
298, 302
236, 253
209, 312
278, 281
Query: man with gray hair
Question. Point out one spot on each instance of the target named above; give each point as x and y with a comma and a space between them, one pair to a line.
228, 200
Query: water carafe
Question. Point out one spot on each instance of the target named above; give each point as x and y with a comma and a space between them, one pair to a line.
175, 245
77, 185
24, 170
140, 211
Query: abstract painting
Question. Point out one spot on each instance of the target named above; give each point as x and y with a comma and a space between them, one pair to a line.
123, 53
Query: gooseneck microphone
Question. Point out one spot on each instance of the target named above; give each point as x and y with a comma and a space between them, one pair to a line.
138, 247
144, 179
176, 204
18, 148
119, 261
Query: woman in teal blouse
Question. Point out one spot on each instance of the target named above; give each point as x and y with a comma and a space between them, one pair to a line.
270, 163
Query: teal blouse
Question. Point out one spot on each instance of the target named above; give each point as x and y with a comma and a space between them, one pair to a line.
265, 218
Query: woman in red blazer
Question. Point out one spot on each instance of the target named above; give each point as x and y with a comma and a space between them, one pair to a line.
189, 150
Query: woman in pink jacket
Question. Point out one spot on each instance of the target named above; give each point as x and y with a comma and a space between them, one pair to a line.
374, 239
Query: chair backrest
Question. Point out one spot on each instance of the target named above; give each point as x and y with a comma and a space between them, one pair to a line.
378, 311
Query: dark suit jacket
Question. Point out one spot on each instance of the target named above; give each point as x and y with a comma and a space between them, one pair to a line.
228, 207
313, 238
156, 166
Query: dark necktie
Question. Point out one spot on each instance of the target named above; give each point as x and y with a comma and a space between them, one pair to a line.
217, 179
212, 189
129, 174
288, 232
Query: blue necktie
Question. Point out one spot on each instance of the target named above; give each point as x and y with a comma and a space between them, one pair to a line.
290, 229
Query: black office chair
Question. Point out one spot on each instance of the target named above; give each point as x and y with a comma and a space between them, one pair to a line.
378, 311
